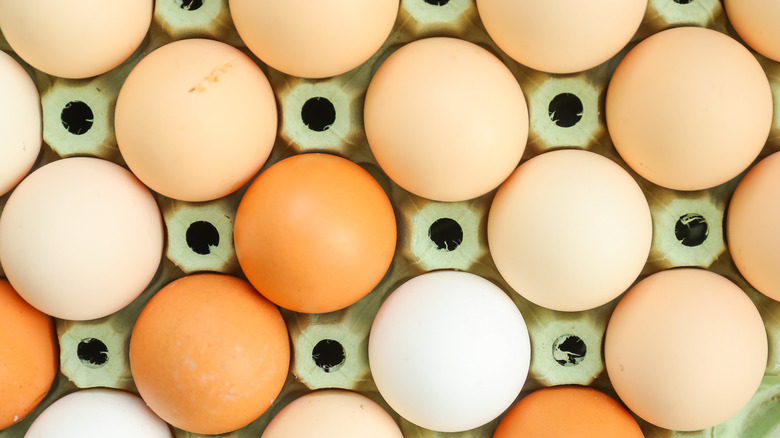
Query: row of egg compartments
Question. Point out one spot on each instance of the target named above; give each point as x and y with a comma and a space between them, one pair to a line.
208, 237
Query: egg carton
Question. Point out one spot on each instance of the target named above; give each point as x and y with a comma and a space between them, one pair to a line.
331, 350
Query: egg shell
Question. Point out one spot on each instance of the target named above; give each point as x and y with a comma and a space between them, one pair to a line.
415, 344
329, 39
195, 119
563, 36
567, 411
685, 349
80, 238
756, 22
751, 224
689, 108
570, 230
98, 412
20, 123
209, 354
77, 38
445, 119
28, 360
332, 413
315, 233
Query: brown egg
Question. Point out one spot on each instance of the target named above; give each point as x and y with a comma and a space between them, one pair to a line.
685, 349
689, 108
751, 224
568, 411
312, 38
445, 119
209, 354
28, 356
75, 38
564, 36
756, 22
195, 119
315, 233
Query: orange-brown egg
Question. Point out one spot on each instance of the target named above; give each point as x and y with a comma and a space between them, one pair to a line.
209, 354
28, 356
568, 411
315, 233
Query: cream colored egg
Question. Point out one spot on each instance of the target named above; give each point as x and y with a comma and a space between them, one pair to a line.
312, 38
20, 123
75, 38
80, 238
689, 108
333, 413
756, 21
196, 119
99, 412
445, 119
685, 349
570, 230
563, 36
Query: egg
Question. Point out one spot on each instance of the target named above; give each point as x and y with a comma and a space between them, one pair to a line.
445, 119
685, 349
196, 119
332, 413
756, 22
751, 226
563, 36
29, 359
568, 411
449, 351
315, 233
314, 39
80, 238
20, 123
689, 108
209, 354
570, 230
98, 412
77, 38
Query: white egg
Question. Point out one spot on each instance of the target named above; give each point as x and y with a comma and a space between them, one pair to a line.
449, 351
99, 412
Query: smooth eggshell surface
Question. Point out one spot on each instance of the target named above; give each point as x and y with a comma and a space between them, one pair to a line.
689, 108
445, 119
332, 414
209, 354
563, 36
20, 123
76, 38
568, 411
80, 238
98, 412
28, 356
312, 38
315, 233
751, 226
685, 349
196, 119
570, 230
416, 342
756, 22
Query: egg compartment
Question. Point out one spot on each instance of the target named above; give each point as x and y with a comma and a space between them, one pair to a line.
330, 350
